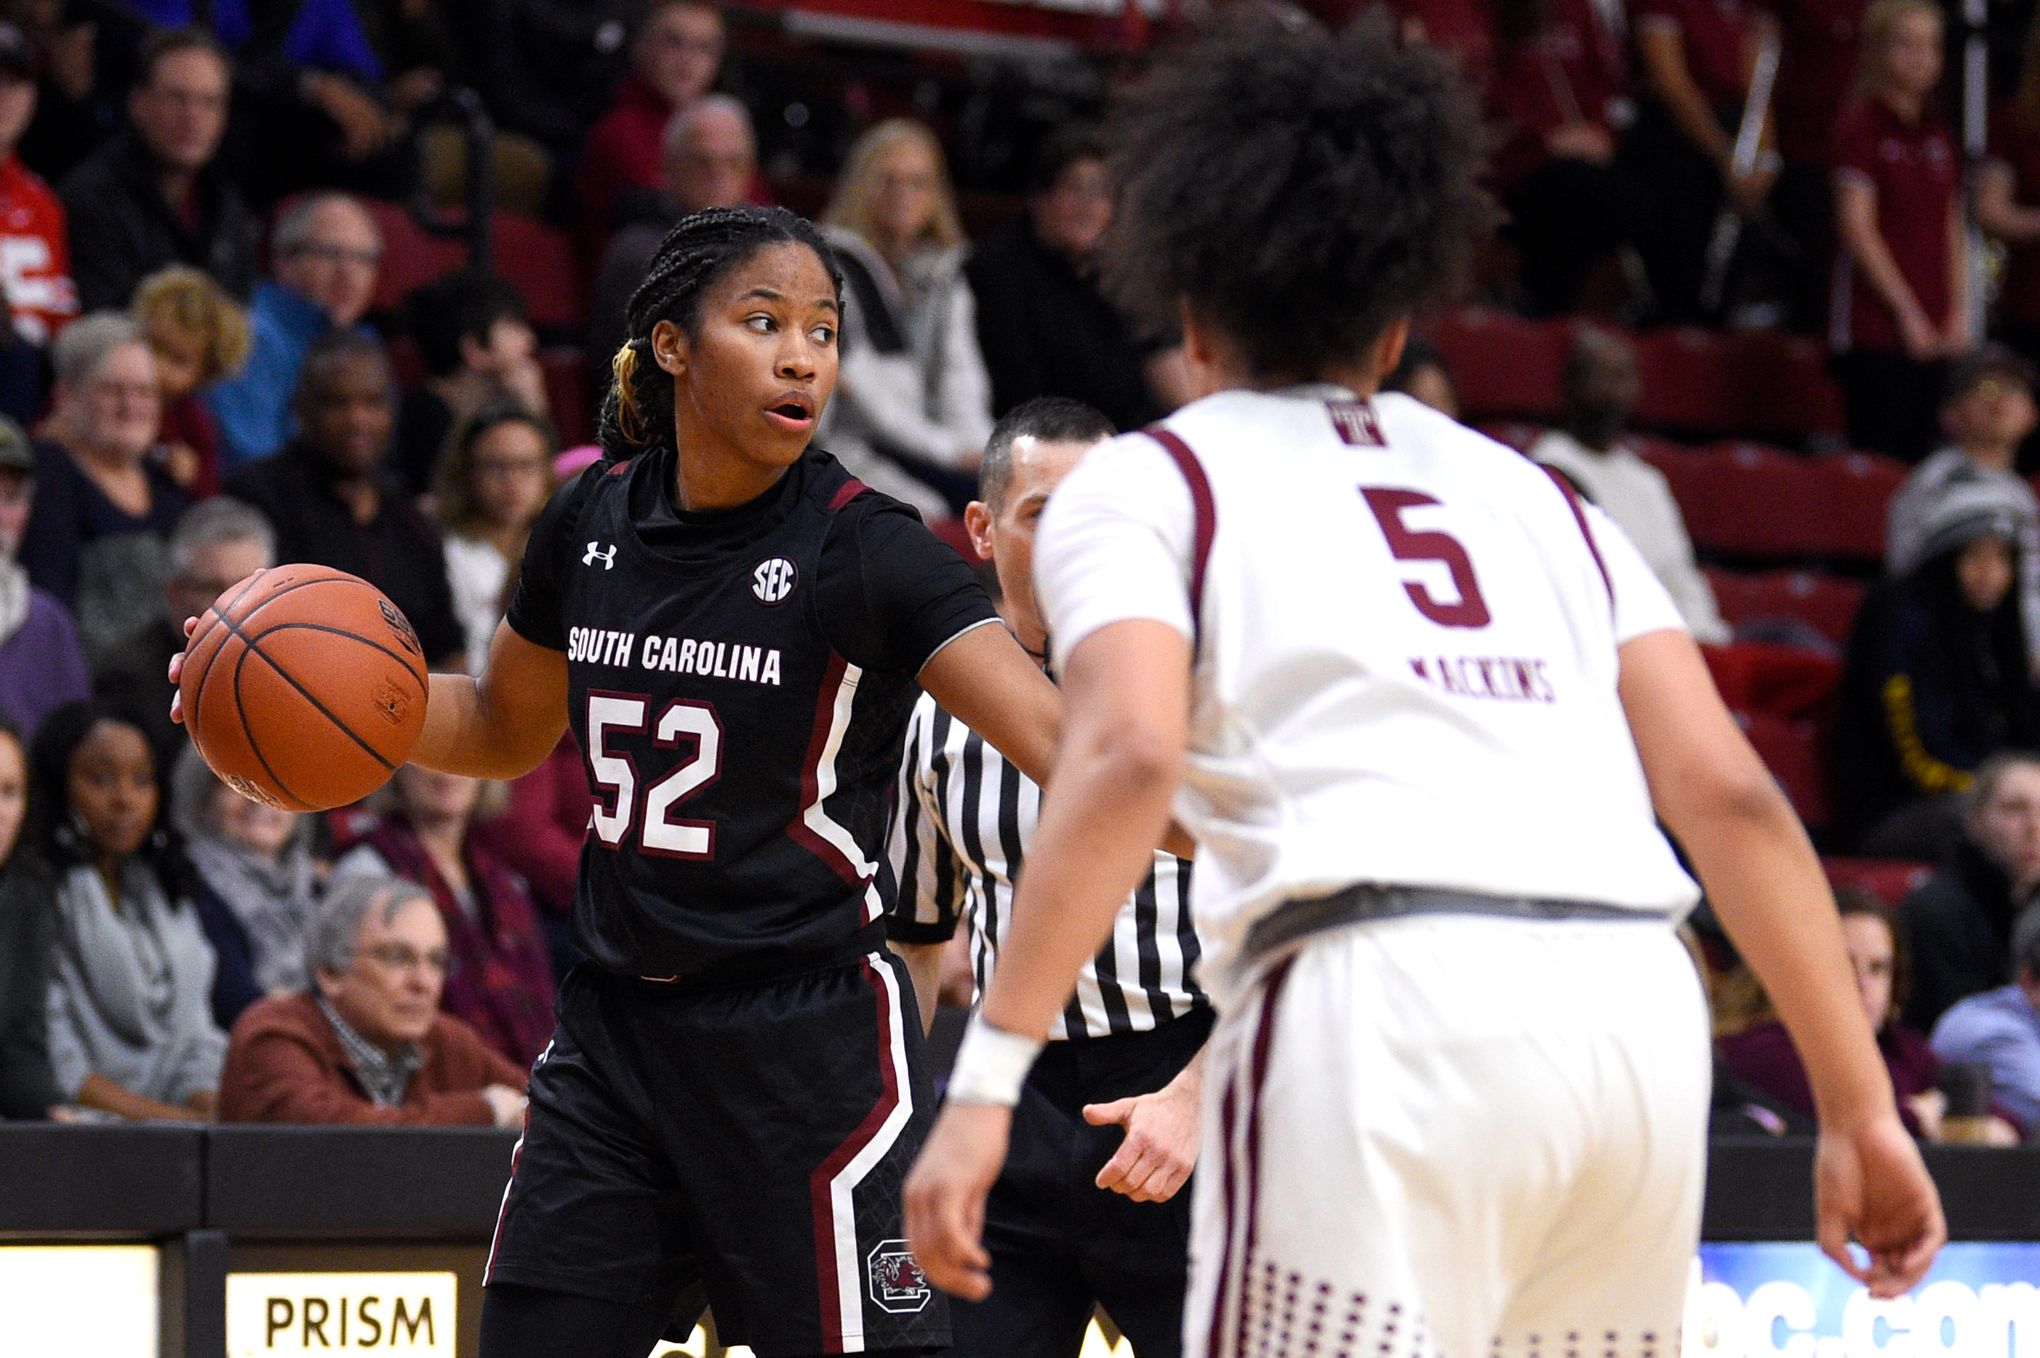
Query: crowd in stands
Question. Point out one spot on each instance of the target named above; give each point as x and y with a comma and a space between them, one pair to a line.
231, 347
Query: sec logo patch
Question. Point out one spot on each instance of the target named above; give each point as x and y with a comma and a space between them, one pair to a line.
773, 580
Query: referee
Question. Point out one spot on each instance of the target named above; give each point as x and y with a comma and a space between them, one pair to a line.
1112, 1103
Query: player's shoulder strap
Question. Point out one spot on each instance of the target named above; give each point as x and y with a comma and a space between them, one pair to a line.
1571, 495
1202, 506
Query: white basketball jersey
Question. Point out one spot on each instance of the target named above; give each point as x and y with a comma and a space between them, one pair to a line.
1405, 652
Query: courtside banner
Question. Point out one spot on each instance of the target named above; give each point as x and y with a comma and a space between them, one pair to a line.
70, 1301
1785, 1300
285, 1315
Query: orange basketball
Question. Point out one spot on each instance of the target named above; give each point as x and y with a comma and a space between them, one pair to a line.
304, 687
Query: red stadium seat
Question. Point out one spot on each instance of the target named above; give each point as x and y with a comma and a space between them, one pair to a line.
1686, 380
1890, 880
567, 391
1826, 603
1848, 519
1791, 749
1782, 681
1747, 500
1504, 365
411, 254
1517, 434
540, 261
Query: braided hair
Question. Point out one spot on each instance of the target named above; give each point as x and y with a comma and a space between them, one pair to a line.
696, 254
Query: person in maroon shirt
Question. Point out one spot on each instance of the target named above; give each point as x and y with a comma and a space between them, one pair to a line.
675, 57
1899, 309
1694, 58
1820, 41
1560, 87
2008, 204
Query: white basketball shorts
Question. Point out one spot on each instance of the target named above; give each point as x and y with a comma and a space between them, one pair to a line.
1447, 1136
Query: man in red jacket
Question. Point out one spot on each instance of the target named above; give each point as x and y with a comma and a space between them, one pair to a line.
368, 1045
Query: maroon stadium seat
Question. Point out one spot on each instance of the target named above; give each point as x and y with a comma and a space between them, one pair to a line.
567, 391
1826, 603
1517, 434
1504, 365
1782, 681
1791, 749
1687, 382
540, 261
1783, 388
1854, 503
1891, 880
411, 254
1748, 500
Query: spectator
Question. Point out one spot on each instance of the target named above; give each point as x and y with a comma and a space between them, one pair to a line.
2008, 202
42, 666
257, 861
1900, 303
1935, 679
1561, 93
1960, 919
35, 252
675, 56
496, 478
2000, 1031
104, 504
73, 109
1763, 1056
711, 159
1043, 326
28, 1085
501, 980
1602, 385
1987, 412
326, 254
153, 195
131, 1032
369, 1046
912, 408
1421, 374
1821, 40
215, 544
199, 336
539, 834
479, 349
332, 501
1695, 60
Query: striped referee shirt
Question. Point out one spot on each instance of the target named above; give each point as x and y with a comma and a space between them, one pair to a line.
961, 825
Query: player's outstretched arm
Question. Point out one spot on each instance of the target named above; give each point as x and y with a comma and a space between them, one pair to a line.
988, 683
1766, 885
1127, 694
502, 723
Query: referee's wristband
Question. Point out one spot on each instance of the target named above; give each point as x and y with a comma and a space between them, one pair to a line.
991, 1065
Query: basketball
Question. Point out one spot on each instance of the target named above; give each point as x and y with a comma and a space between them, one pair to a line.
304, 687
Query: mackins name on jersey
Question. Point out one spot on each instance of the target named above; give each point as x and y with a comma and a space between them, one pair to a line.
675, 655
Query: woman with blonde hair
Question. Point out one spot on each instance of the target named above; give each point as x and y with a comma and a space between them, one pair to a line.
1899, 309
913, 402
199, 334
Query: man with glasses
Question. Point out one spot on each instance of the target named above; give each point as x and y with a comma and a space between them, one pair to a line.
368, 1044
216, 543
154, 194
327, 253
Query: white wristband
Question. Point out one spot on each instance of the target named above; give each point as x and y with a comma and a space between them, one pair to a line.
991, 1065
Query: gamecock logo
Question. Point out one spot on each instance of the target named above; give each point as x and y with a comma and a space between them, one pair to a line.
897, 1283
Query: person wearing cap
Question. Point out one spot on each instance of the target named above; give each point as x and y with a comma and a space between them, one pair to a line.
1987, 412
1936, 677
35, 252
42, 665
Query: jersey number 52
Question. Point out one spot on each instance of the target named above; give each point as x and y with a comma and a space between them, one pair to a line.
618, 805
1408, 544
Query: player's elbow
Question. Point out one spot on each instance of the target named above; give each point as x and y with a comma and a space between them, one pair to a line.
1137, 759
1726, 794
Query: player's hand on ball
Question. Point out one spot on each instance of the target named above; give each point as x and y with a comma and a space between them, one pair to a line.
177, 675
946, 1197
1160, 1149
1871, 1187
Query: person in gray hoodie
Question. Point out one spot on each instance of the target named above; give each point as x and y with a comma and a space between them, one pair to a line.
258, 861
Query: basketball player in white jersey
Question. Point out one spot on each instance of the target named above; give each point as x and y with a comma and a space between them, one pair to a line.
1419, 706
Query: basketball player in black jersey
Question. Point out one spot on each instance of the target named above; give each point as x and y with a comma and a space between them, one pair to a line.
736, 631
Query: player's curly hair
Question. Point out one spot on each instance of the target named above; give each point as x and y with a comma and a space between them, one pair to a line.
702, 247
1300, 189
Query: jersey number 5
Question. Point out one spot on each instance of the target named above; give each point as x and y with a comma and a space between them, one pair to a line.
615, 773
1407, 544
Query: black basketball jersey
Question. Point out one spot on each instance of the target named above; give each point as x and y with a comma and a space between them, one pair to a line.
740, 684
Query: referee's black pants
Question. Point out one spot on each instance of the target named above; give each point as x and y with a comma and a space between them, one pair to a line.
1059, 1243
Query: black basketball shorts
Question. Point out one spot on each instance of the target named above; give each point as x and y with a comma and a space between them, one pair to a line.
748, 1143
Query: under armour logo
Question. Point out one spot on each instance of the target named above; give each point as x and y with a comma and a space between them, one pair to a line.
595, 554
773, 580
